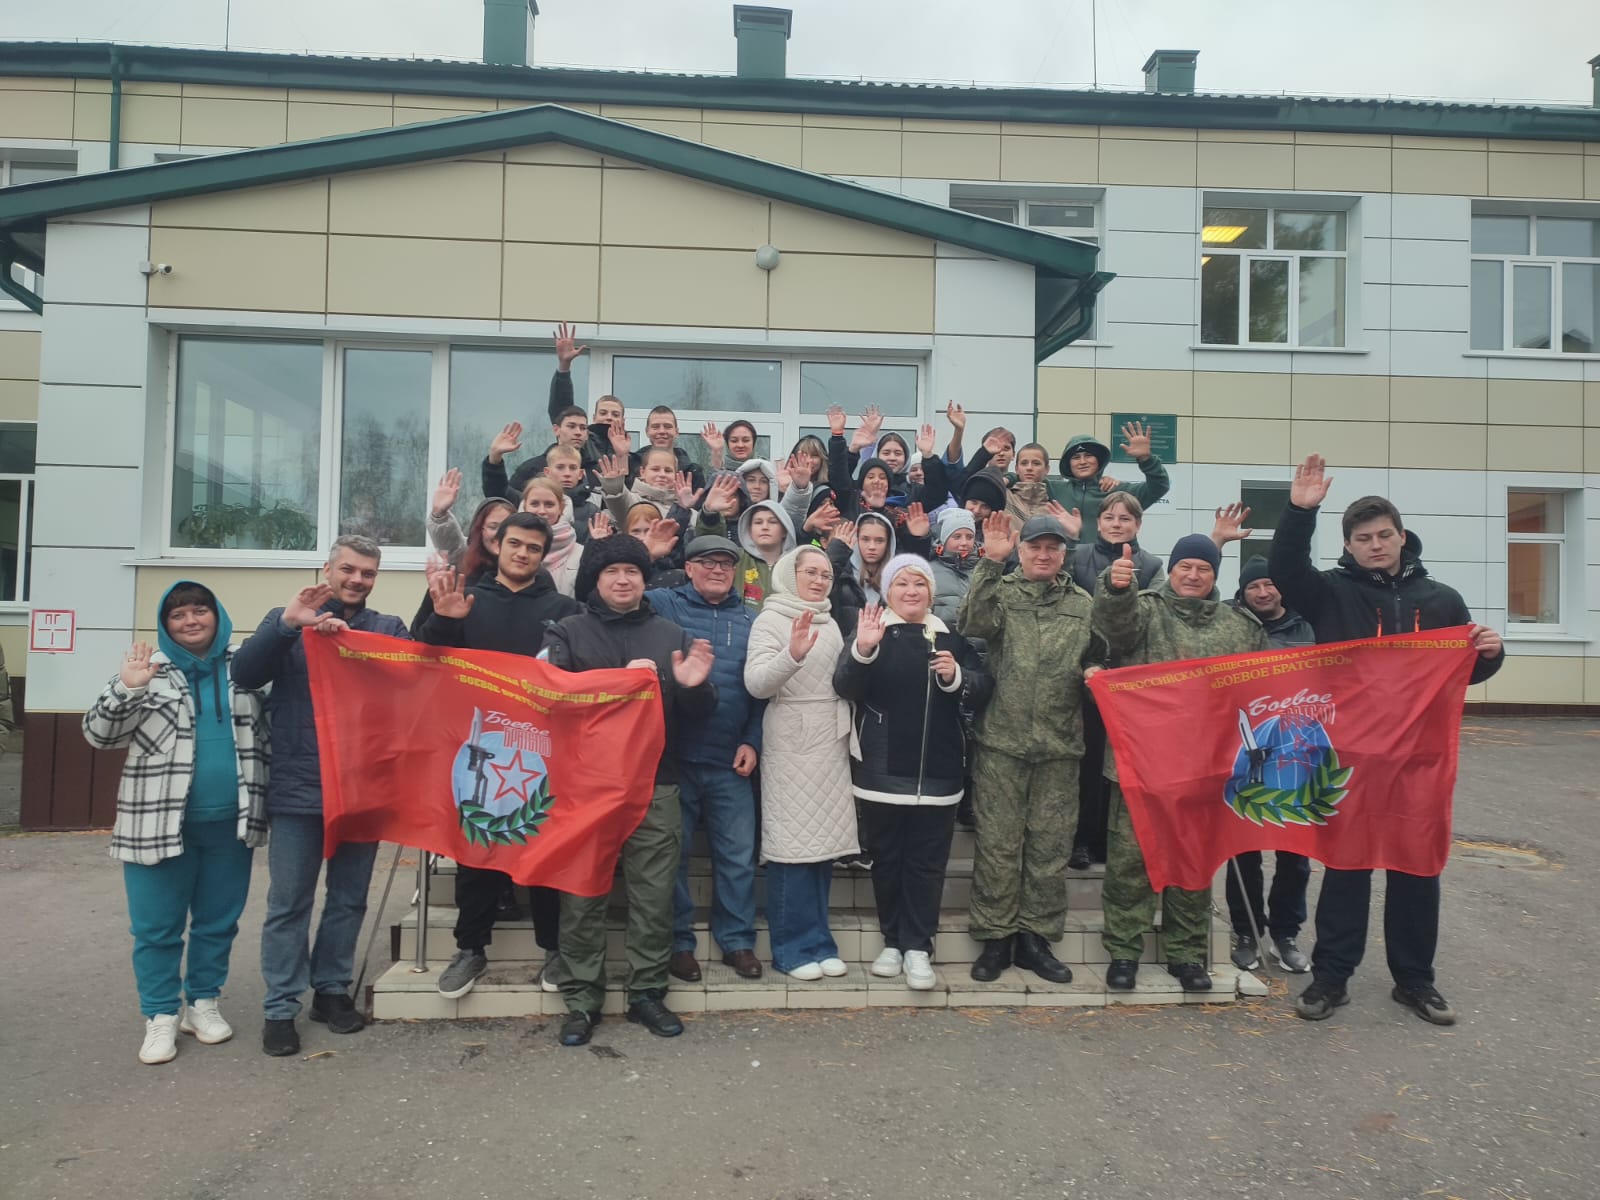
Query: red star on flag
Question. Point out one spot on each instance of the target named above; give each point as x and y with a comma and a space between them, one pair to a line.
517, 786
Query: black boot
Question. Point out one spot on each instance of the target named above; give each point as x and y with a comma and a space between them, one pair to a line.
1033, 954
996, 957
1121, 974
1192, 977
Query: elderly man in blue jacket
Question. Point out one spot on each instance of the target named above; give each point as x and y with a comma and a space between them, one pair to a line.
716, 760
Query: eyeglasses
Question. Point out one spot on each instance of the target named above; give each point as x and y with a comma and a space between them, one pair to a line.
716, 564
813, 573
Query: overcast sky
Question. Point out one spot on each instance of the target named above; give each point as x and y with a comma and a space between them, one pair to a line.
1456, 49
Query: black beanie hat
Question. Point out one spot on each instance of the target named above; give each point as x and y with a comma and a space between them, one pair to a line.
1254, 569
604, 552
987, 485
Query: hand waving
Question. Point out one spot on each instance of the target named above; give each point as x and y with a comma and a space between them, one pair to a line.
1070, 520
801, 637
567, 348
1311, 482
694, 668
1136, 441
999, 537
1230, 519
302, 610
448, 591
869, 629
956, 415
917, 520
447, 492
137, 669
507, 441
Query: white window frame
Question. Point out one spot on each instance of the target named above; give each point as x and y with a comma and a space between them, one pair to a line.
1569, 594
1553, 263
24, 533
1271, 253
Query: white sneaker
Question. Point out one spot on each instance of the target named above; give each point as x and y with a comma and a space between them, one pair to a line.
834, 967
204, 1021
919, 971
887, 964
806, 972
160, 1039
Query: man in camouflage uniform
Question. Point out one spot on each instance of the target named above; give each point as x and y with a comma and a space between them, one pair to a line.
1030, 738
1181, 618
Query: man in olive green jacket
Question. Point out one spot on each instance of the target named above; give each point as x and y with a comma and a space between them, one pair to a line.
1182, 618
1084, 484
1030, 738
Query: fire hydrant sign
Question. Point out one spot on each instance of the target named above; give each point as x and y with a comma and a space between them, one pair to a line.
53, 631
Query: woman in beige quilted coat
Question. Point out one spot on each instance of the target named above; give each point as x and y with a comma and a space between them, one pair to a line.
808, 815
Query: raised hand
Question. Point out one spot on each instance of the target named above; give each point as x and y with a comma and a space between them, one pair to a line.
661, 537
956, 415
712, 437
722, 496
944, 666
863, 437
137, 669
448, 591
612, 466
824, 519
1069, 520
1311, 482
999, 537
836, 420
873, 419
446, 493
917, 520
1136, 441
1230, 519
620, 442
845, 533
600, 526
507, 441
869, 629
994, 444
801, 636
925, 441
567, 348
435, 564
1108, 484
1122, 570
688, 495
799, 472
694, 668
302, 610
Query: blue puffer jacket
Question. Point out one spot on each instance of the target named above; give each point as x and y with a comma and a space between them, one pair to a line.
736, 721
273, 654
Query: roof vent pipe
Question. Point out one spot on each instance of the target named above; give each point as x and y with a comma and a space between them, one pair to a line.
1170, 71
763, 36
508, 32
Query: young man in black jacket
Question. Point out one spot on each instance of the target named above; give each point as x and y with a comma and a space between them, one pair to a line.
620, 629
509, 613
1380, 587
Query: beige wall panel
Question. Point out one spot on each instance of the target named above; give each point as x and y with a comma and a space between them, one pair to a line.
234, 122
1591, 404
1339, 398
550, 283
1441, 172
1257, 443
419, 116
207, 91
654, 208
1591, 177
460, 199
1152, 162
276, 272
151, 119
1342, 168
39, 83
19, 353
1535, 402
1240, 394
1591, 680
1039, 129
646, 112
1541, 176
1150, 133
1247, 136
554, 154
414, 277
1245, 165
860, 293
922, 126
550, 204
1064, 390
35, 114
307, 121
1591, 450
733, 116
91, 116
293, 207
1055, 430
1536, 448
248, 593
688, 131
840, 121
1438, 447
90, 85
1145, 391
463, 103
330, 96
950, 155
1342, 443
141, 88
850, 151
1028, 159
1403, 142
19, 400
805, 229
648, 286
1318, 138
774, 143
1432, 399
14, 644
1527, 679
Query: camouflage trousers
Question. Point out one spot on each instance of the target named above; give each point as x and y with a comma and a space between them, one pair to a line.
1026, 812
1130, 902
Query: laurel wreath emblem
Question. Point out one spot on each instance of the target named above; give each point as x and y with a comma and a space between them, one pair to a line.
483, 828
1312, 803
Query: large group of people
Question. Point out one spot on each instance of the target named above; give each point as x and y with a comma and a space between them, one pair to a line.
859, 647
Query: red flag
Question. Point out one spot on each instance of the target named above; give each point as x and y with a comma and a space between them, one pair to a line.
495, 760
1345, 753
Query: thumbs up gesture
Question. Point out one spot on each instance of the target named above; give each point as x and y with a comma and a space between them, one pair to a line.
1122, 570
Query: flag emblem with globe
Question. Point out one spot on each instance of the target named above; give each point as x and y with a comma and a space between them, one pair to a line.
501, 786
1286, 772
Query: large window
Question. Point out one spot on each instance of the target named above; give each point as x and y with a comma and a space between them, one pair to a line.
1536, 542
383, 444
487, 387
1536, 283
1272, 277
1266, 500
17, 443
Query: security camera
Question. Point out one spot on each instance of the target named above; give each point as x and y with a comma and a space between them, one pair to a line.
164, 268
150, 268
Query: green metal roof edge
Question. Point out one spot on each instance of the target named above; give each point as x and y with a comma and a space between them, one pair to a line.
29, 206
160, 64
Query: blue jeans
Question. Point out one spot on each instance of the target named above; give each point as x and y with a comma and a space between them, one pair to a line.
203, 891
797, 913
288, 964
720, 801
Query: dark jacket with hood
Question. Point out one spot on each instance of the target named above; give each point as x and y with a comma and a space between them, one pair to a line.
1089, 560
736, 720
845, 477
1349, 602
512, 622
274, 654
600, 638
1085, 494
850, 594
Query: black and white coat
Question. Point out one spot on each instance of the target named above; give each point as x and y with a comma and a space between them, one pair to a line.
156, 724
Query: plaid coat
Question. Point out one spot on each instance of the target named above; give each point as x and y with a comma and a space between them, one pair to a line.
156, 724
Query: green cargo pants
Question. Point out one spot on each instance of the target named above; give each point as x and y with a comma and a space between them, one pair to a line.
1130, 902
1026, 812
649, 870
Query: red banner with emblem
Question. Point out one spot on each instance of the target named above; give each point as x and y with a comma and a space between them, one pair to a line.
495, 760
1345, 753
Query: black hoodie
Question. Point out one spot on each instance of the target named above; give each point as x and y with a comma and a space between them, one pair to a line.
501, 619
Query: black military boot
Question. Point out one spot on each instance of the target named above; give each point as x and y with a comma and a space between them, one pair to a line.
996, 957
1034, 954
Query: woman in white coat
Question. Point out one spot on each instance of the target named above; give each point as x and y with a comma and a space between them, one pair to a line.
808, 815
